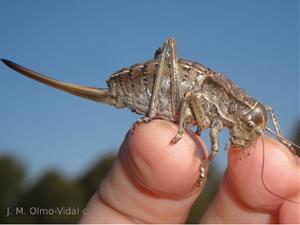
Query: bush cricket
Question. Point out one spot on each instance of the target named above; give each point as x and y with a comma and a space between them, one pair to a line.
183, 92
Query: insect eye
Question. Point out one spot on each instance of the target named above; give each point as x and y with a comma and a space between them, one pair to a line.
250, 124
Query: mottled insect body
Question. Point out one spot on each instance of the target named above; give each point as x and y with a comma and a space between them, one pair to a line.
181, 91
220, 99
132, 87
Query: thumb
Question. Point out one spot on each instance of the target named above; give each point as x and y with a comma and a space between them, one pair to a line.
152, 181
259, 188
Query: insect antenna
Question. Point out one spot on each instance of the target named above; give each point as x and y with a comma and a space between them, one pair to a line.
292, 146
263, 181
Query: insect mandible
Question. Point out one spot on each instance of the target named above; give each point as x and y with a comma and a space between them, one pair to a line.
183, 92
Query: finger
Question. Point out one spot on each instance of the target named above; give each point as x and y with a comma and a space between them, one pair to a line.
289, 211
254, 188
152, 181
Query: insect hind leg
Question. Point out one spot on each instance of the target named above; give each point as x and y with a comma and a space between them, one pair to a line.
166, 55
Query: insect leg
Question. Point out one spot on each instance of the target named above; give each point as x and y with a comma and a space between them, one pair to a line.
167, 54
182, 115
157, 79
213, 134
214, 131
139, 121
175, 79
202, 120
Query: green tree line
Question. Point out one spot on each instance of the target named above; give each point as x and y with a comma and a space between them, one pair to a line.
55, 191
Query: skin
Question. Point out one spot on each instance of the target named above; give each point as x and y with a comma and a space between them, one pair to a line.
153, 181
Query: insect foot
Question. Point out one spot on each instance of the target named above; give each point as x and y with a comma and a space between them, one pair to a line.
139, 121
176, 138
203, 169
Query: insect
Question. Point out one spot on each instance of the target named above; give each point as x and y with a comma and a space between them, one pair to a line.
183, 92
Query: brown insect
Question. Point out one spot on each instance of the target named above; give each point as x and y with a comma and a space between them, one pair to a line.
183, 92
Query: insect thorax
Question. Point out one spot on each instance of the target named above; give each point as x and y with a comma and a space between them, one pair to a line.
219, 103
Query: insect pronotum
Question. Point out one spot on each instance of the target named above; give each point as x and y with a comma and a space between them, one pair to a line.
183, 92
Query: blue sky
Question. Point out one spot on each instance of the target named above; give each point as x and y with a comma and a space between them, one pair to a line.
255, 43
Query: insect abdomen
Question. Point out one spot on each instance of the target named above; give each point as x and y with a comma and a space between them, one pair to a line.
132, 87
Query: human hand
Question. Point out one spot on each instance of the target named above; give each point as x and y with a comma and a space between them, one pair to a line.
153, 181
